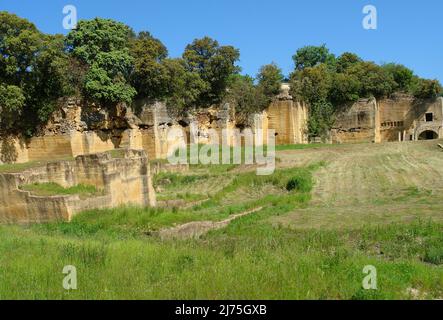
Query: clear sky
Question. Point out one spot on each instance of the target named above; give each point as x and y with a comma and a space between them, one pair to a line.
409, 31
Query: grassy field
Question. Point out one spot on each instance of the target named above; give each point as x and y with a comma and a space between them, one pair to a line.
53, 189
327, 212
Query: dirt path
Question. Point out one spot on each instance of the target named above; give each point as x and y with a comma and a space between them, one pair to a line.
198, 228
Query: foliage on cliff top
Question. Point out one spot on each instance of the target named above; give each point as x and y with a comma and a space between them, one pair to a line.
33, 73
105, 61
324, 80
250, 97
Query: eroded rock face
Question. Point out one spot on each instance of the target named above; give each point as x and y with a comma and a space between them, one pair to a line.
398, 118
357, 123
152, 113
75, 114
80, 127
66, 119
123, 181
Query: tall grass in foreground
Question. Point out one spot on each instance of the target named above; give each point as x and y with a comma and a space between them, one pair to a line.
116, 256
248, 260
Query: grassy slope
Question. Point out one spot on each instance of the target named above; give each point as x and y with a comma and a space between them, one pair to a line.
53, 189
295, 248
17, 167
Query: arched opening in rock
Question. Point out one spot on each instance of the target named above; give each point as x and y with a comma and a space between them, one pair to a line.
428, 135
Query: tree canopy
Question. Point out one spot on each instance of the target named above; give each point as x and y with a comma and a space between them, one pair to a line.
101, 44
270, 78
214, 64
33, 74
253, 95
150, 75
329, 82
311, 56
106, 62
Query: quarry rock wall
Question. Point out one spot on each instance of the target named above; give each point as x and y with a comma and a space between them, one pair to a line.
121, 181
15, 149
288, 118
398, 118
357, 123
403, 118
81, 128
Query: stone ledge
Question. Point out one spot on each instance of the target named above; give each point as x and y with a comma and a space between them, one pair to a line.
125, 181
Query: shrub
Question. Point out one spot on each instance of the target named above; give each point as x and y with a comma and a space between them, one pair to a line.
425, 89
302, 183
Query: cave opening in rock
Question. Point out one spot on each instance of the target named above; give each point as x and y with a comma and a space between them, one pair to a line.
428, 135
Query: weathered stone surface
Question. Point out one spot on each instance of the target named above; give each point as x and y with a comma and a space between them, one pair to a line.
66, 119
124, 181
399, 118
357, 123
152, 113
13, 150
288, 118
82, 128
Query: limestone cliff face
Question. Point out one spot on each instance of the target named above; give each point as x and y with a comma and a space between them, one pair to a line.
404, 118
288, 118
357, 123
122, 181
398, 118
80, 128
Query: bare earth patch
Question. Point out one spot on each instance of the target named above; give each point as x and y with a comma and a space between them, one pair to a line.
199, 228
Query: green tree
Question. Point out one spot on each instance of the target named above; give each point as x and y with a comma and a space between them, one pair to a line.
49, 79
106, 80
246, 97
321, 118
150, 76
345, 88
20, 43
270, 78
314, 85
183, 87
102, 44
95, 36
374, 80
34, 64
215, 64
12, 101
402, 76
346, 60
311, 84
425, 88
311, 56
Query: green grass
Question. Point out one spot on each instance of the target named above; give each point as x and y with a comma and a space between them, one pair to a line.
248, 260
285, 147
53, 189
175, 179
118, 256
301, 182
17, 167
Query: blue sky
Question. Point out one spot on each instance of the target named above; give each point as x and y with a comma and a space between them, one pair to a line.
409, 31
